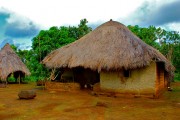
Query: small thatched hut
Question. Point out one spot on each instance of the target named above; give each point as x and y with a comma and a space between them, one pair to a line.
124, 63
11, 63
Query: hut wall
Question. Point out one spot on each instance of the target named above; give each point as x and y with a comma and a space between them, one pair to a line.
140, 81
161, 82
67, 76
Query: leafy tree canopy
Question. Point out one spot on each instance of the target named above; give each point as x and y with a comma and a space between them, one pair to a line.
167, 42
49, 40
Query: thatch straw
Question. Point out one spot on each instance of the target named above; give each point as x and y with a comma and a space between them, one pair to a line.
111, 46
10, 62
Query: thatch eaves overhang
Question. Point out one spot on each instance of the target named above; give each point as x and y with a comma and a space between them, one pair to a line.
111, 46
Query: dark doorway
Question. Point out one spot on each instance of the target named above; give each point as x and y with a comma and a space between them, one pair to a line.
86, 77
17, 76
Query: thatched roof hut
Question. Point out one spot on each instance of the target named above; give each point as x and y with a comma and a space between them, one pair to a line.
122, 63
10, 63
111, 46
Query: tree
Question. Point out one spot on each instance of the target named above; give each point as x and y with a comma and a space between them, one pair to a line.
83, 29
167, 42
148, 35
49, 40
14, 48
171, 49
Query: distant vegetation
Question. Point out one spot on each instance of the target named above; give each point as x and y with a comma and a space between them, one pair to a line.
167, 42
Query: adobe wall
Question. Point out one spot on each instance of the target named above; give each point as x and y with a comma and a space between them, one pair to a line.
141, 81
161, 82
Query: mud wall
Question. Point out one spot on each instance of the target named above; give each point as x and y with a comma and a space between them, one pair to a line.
140, 81
161, 82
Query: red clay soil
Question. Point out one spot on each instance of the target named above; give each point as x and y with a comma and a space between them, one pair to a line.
81, 105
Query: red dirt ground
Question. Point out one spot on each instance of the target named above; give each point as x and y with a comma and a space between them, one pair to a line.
81, 105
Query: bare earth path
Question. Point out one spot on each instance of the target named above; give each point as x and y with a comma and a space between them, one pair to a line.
51, 105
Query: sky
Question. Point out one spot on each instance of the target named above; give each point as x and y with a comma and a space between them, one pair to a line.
21, 20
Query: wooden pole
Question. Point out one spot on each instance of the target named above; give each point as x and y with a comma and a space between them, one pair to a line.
19, 79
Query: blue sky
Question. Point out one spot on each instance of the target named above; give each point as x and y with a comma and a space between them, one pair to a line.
21, 20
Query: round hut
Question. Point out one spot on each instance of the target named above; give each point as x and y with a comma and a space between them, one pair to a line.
125, 63
10, 63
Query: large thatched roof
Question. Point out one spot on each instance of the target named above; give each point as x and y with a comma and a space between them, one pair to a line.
10, 62
111, 46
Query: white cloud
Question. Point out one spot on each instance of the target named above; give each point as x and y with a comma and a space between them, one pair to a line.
160, 14
15, 18
23, 43
59, 12
172, 26
47, 13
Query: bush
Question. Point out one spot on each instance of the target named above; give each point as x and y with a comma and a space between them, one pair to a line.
177, 76
31, 78
11, 79
34, 78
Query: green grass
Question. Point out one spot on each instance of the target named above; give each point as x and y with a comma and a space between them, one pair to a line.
177, 76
